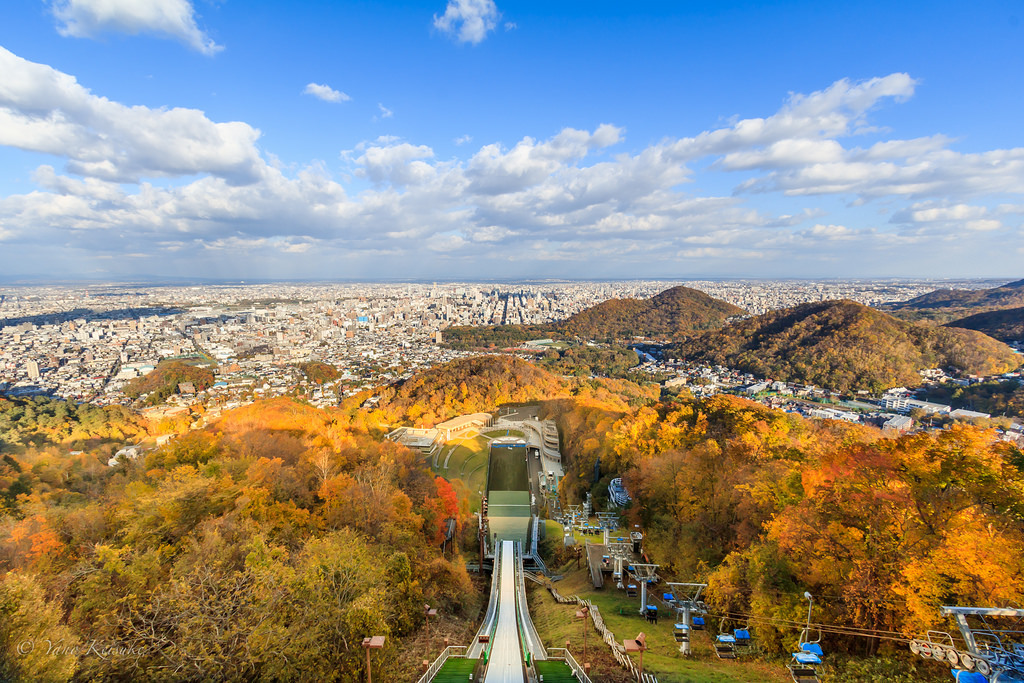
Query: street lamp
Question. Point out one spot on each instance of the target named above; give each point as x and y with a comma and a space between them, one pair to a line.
638, 644
428, 612
582, 615
371, 643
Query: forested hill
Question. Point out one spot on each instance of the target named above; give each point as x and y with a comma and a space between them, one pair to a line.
1006, 324
1005, 296
468, 385
844, 345
670, 314
264, 547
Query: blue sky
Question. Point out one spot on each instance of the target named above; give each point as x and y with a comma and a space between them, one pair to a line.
480, 138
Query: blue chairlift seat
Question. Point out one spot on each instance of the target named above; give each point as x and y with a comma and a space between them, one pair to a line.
812, 648
668, 597
742, 636
806, 658
681, 632
968, 676
725, 646
698, 623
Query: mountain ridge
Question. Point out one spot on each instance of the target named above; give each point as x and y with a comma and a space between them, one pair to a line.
844, 345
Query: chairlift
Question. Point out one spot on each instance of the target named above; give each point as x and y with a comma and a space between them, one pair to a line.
725, 643
631, 590
651, 613
681, 632
698, 623
803, 666
725, 646
744, 642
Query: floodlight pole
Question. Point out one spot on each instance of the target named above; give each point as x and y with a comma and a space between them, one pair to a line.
582, 614
371, 643
810, 606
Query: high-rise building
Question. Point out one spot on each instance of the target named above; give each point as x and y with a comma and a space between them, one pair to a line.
32, 368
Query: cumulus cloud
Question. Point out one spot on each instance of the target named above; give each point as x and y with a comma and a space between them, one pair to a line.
832, 112
468, 21
45, 110
495, 170
574, 197
170, 18
325, 93
400, 164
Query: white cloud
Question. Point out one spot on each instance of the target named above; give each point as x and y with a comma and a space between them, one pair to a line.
325, 93
468, 21
494, 170
983, 225
45, 110
832, 232
577, 197
463, 139
385, 113
172, 18
957, 212
400, 164
832, 112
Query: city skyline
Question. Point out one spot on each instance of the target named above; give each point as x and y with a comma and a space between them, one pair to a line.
474, 140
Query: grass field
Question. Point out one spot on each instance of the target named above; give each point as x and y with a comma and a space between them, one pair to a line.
556, 624
495, 433
467, 460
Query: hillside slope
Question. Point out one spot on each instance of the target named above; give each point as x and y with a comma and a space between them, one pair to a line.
944, 305
467, 385
1006, 324
845, 345
668, 315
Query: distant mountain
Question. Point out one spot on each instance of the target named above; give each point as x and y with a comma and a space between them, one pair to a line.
1010, 295
844, 345
668, 315
1006, 324
672, 314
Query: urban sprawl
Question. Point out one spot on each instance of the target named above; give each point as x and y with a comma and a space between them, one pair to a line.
87, 342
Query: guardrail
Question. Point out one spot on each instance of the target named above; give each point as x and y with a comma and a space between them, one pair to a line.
618, 651
529, 633
574, 666
452, 651
487, 625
